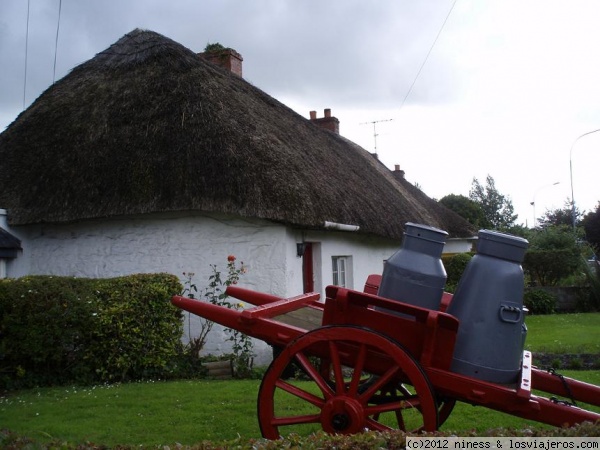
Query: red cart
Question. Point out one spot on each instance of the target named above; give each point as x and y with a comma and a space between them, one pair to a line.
365, 368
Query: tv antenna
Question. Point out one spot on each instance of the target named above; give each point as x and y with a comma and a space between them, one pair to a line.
375, 122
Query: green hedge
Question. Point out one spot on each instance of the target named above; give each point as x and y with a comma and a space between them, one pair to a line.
538, 302
547, 267
455, 266
57, 330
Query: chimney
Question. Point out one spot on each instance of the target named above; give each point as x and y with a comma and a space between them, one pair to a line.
227, 58
328, 122
398, 173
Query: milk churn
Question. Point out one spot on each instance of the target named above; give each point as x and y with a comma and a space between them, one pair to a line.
489, 304
415, 273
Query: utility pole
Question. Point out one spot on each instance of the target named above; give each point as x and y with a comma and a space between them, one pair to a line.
375, 122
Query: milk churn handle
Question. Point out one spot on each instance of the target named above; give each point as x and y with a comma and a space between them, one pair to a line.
510, 309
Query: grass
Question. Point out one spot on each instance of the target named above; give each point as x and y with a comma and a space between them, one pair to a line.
188, 412
150, 413
564, 333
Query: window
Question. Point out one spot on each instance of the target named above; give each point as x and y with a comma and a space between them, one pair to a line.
342, 271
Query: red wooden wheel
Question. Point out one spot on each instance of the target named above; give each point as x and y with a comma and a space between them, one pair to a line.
445, 408
353, 379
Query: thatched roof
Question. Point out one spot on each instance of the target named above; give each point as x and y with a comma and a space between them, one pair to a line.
148, 126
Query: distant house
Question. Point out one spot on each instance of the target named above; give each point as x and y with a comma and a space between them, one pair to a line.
10, 246
151, 158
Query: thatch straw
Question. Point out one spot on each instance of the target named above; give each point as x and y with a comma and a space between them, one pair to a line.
148, 126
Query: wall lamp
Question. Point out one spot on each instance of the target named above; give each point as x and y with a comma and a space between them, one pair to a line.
300, 249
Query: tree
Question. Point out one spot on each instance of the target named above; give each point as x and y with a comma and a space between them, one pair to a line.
497, 208
559, 217
466, 208
591, 225
553, 254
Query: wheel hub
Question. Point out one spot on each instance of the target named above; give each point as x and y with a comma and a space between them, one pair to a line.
340, 422
343, 415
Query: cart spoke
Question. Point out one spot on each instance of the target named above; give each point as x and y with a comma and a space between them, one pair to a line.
295, 420
400, 420
373, 424
337, 367
380, 382
395, 406
300, 393
358, 368
315, 375
398, 408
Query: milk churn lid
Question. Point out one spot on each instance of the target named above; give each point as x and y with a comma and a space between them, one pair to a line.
425, 232
502, 245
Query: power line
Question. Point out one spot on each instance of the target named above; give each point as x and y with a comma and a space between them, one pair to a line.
56, 41
427, 56
26, 46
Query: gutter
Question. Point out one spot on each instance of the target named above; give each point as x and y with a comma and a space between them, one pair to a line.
340, 226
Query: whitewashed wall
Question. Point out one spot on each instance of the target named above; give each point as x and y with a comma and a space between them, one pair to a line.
171, 243
368, 254
457, 245
178, 243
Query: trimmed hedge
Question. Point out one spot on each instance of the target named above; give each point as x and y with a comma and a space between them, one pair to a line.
538, 302
547, 267
58, 330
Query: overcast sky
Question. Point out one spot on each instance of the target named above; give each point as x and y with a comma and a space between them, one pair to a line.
506, 90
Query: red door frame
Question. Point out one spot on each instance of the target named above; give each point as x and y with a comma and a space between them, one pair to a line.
308, 279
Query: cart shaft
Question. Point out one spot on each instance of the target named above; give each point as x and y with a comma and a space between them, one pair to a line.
565, 387
255, 322
504, 398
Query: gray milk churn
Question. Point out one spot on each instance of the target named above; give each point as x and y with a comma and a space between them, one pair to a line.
415, 274
489, 305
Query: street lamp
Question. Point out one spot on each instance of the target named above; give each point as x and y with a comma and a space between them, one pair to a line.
535, 193
571, 173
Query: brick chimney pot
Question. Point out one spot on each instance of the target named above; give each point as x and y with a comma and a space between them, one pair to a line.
226, 58
328, 122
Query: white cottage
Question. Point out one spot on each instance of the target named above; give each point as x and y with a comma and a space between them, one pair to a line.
152, 158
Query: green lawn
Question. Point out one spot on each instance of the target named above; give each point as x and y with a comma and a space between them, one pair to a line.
151, 413
564, 333
164, 413
188, 412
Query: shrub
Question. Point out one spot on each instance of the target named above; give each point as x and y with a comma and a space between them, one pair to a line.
242, 345
455, 266
553, 254
592, 273
556, 363
44, 325
57, 330
576, 364
539, 302
137, 330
